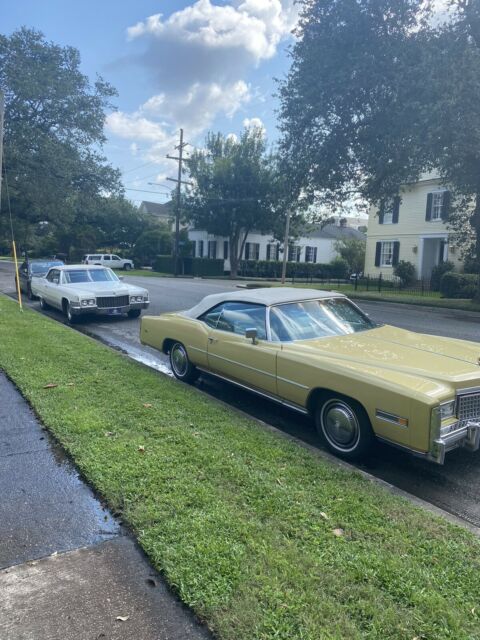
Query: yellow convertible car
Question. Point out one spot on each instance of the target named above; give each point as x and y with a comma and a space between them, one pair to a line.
318, 353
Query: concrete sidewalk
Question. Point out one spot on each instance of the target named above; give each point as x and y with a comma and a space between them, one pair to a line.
67, 569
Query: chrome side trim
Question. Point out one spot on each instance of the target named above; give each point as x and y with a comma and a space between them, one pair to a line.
240, 364
296, 384
268, 396
391, 417
189, 346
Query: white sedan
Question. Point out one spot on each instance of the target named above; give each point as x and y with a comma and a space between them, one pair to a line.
86, 289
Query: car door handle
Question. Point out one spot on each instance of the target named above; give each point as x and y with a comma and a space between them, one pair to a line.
212, 340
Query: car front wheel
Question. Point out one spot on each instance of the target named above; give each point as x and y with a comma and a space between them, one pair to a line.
182, 368
344, 427
67, 308
43, 304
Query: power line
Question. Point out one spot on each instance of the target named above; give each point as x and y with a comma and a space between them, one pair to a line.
159, 193
179, 182
139, 167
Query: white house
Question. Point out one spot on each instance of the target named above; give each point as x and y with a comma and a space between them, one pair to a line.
316, 247
412, 229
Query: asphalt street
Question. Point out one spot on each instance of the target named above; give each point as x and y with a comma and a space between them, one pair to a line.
454, 487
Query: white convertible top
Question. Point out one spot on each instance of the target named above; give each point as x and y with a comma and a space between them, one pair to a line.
265, 295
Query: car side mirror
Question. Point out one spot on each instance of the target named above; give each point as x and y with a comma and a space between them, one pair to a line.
251, 334
120, 277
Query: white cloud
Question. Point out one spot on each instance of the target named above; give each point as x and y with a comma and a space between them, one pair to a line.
199, 57
251, 123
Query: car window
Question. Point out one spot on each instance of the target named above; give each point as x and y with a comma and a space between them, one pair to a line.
54, 276
73, 276
212, 317
240, 316
316, 319
115, 258
106, 257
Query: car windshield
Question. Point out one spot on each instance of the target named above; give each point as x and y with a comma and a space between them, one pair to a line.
316, 319
42, 267
73, 276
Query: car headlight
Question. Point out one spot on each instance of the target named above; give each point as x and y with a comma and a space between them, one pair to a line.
90, 302
447, 410
136, 298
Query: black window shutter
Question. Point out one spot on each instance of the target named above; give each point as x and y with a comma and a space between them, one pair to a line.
247, 251
314, 254
396, 251
268, 251
396, 209
378, 251
225, 249
445, 205
428, 212
277, 253
381, 213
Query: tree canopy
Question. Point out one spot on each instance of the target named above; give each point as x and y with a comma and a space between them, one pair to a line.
234, 189
381, 91
53, 135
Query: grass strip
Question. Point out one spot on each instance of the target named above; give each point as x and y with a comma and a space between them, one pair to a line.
262, 538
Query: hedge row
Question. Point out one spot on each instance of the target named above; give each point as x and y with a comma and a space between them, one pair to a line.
458, 285
189, 266
338, 268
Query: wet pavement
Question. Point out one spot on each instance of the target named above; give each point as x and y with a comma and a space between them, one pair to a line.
454, 487
67, 567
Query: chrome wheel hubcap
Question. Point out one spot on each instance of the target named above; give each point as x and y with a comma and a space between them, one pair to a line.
340, 425
179, 360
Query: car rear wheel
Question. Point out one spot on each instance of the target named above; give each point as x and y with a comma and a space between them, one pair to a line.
344, 427
182, 368
127, 267
134, 313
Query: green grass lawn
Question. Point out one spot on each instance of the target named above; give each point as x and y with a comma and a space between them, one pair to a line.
264, 539
144, 272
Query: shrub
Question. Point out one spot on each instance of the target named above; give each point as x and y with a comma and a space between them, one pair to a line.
458, 285
406, 272
437, 273
189, 266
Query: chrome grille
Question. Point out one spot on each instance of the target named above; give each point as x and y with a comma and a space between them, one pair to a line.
107, 302
469, 406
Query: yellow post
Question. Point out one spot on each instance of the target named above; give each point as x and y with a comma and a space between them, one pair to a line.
17, 279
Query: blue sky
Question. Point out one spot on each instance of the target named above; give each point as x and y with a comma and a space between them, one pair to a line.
199, 65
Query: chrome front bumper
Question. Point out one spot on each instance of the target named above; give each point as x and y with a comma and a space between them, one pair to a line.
468, 437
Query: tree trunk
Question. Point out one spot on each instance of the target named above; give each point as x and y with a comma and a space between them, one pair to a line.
233, 242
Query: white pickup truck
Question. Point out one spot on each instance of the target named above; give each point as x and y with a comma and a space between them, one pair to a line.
108, 260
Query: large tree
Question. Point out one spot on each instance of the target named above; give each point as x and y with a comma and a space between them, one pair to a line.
234, 189
379, 92
54, 119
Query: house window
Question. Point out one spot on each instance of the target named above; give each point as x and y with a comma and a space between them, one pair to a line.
310, 254
225, 249
388, 217
437, 205
252, 251
386, 254
212, 248
272, 253
389, 212
294, 253
200, 248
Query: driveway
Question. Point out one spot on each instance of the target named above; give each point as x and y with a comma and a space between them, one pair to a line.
454, 487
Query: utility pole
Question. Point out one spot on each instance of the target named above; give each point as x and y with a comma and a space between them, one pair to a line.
285, 246
179, 182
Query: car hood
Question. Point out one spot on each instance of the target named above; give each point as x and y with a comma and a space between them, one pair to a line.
106, 289
390, 348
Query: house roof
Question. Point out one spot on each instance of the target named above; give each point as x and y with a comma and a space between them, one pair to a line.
164, 209
335, 232
264, 295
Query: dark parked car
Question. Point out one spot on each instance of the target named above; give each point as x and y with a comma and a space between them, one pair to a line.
34, 269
